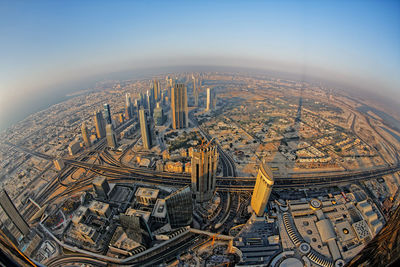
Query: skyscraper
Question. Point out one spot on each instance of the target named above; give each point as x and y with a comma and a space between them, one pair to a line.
145, 129
150, 103
180, 207
195, 91
211, 99
12, 213
85, 135
157, 90
128, 107
100, 125
107, 114
158, 115
204, 170
179, 106
111, 138
262, 189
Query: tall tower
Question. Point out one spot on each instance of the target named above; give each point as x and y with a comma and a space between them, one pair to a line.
111, 138
128, 107
211, 99
12, 213
145, 129
158, 115
204, 171
179, 106
149, 101
157, 90
85, 135
100, 125
107, 114
195, 91
262, 189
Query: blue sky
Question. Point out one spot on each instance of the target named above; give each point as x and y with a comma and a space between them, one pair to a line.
45, 43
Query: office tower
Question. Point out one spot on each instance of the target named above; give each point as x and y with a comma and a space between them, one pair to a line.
180, 207
157, 90
149, 102
101, 187
12, 213
204, 171
111, 138
100, 125
107, 114
262, 189
145, 129
158, 115
179, 106
128, 107
138, 106
211, 99
195, 91
85, 135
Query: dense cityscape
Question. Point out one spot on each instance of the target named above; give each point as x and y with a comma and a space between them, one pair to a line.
201, 169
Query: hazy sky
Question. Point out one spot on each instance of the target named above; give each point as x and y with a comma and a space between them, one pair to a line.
45, 43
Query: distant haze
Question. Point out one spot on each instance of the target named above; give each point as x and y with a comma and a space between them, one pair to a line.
51, 48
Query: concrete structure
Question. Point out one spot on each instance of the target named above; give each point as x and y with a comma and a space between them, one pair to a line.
262, 189
58, 164
211, 99
128, 107
150, 101
107, 114
180, 207
145, 130
196, 89
12, 213
111, 137
179, 106
101, 187
99, 124
204, 169
85, 135
74, 147
85, 233
79, 215
100, 208
146, 196
157, 90
158, 115
159, 212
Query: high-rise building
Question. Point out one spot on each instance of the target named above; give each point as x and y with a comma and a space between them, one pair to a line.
157, 90
262, 189
111, 138
158, 115
149, 101
145, 129
180, 207
204, 171
107, 114
101, 187
12, 213
179, 106
211, 99
196, 89
128, 107
85, 135
100, 125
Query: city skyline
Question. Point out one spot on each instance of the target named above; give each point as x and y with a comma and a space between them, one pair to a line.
307, 38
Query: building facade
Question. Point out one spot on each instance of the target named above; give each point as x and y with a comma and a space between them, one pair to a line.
179, 106
204, 166
145, 130
262, 189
